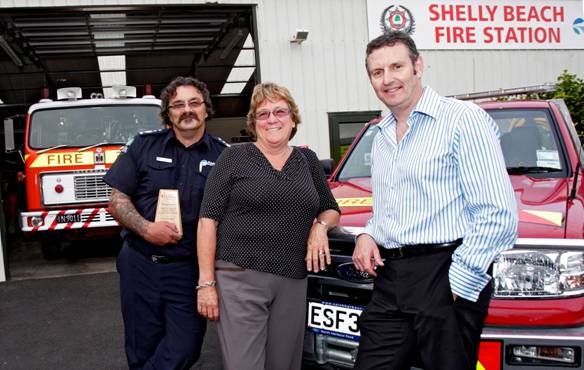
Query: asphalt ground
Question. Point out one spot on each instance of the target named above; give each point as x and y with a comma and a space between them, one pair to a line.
65, 314
70, 322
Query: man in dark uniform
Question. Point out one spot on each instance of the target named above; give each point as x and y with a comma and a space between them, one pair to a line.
157, 265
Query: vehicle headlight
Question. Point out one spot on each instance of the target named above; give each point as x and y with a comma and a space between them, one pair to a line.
538, 273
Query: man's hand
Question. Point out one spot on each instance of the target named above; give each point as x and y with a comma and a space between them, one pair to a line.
208, 303
161, 233
366, 255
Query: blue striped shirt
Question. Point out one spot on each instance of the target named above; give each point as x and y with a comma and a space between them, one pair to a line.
446, 179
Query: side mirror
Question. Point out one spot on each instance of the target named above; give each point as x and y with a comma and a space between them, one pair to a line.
9, 135
327, 165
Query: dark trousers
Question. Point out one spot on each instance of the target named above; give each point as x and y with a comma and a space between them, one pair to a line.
412, 319
162, 327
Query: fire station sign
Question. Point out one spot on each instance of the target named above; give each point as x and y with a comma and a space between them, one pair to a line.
493, 24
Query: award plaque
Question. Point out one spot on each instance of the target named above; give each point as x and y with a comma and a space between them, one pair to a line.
168, 208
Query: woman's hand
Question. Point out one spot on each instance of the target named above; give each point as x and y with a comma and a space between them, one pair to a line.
318, 254
208, 303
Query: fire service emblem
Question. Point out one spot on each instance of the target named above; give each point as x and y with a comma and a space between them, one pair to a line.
397, 18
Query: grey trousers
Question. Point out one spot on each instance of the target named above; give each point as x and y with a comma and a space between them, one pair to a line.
261, 319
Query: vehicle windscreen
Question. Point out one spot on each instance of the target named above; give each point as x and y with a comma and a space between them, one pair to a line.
89, 125
358, 164
528, 140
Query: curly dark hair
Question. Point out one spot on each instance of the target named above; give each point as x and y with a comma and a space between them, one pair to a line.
170, 90
390, 39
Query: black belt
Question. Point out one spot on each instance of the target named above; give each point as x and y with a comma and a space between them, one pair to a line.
156, 258
410, 250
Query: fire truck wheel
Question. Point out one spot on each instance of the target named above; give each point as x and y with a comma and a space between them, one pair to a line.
51, 248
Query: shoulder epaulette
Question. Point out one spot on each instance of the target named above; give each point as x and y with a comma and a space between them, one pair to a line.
220, 141
153, 132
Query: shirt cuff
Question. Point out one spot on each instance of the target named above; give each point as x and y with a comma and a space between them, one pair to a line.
466, 283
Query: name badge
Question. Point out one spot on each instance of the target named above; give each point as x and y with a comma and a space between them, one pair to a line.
165, 160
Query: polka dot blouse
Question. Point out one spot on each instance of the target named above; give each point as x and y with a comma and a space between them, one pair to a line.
265, 215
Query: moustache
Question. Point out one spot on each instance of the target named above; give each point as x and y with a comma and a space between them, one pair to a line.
187, 115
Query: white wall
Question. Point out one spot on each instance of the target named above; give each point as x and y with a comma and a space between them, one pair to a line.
458, 72
326, 73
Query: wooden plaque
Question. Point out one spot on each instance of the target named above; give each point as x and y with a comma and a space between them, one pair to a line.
168, 208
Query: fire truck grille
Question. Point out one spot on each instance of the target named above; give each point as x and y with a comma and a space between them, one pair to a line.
91, 187
85, 217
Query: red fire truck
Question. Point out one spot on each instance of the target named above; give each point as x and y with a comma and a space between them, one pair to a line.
536, 316
69, 145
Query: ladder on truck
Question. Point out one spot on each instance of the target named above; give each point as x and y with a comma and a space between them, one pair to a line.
506, 92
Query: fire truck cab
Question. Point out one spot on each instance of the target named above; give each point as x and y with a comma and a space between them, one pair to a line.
69, 145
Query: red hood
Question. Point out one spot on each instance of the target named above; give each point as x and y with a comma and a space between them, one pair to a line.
541, 204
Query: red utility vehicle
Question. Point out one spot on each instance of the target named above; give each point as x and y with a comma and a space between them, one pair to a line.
536, 316
69, 146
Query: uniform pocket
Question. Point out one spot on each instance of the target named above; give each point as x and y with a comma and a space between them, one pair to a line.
159, 175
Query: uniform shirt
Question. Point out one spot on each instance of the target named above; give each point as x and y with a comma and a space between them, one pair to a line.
265, 215
157, 160
445, 180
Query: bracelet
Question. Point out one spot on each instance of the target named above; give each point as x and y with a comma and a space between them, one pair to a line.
324, 223
206, 284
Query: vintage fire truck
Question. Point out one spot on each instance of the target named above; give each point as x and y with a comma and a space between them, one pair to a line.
536, 316
69, 145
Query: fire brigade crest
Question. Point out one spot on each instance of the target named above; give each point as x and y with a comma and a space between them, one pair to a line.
99, 156
397, 18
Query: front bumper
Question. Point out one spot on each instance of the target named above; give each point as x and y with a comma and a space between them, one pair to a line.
495, 352
66, 219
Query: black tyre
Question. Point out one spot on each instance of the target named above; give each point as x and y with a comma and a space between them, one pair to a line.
51, 248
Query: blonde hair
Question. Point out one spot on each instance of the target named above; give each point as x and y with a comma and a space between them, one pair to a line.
272, 92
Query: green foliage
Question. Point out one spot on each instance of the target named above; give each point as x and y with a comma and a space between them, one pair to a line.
571, 89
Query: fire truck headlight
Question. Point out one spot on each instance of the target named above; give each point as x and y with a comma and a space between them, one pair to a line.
36, 221
538, 273
525, 355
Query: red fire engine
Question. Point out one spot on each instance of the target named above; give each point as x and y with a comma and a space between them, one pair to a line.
69, 145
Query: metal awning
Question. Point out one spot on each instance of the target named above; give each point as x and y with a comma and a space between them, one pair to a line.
48, 48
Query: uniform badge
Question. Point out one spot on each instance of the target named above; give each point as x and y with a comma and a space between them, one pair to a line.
124, 149
204, 163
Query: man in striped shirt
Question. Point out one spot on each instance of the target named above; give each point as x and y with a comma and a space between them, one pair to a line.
443, 209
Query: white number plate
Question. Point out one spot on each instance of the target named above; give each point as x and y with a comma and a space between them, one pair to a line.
335, 319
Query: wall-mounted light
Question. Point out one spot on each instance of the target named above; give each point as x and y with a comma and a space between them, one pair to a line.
299, 36
15, 58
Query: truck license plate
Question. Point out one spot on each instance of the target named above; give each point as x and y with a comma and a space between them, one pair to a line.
71, 217
339, 320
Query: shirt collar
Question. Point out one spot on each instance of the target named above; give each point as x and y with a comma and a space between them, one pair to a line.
205, 140
426, 105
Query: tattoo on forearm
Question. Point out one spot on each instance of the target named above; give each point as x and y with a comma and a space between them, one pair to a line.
125, 213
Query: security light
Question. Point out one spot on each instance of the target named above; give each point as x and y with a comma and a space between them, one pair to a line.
299, 36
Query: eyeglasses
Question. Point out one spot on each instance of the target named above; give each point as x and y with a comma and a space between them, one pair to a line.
181, 105
278, 113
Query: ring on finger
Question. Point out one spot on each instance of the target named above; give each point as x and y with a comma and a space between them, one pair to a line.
321, 253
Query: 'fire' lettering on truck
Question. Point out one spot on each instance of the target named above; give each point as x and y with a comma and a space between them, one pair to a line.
63, 159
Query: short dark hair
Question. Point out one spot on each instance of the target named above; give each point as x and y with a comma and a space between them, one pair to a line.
390, 39
170, 90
